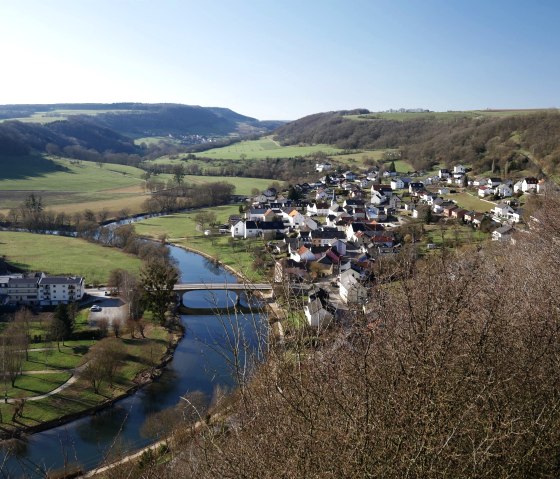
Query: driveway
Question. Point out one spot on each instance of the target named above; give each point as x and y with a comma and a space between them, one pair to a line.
112, 309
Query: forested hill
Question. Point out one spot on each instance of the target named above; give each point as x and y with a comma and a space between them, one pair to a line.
18, 139
144, 119
106, 133
515, 141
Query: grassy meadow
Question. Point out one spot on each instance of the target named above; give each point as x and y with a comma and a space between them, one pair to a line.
69, 186
469, 202
64, 256
43, 117
264, 148
181, 230
440, 115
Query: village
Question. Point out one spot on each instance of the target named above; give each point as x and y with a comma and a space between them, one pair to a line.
331, 233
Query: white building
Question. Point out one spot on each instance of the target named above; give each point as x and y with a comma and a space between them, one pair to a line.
40, 289
55, 290
317, 316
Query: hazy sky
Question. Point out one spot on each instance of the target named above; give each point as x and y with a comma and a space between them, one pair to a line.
283, 59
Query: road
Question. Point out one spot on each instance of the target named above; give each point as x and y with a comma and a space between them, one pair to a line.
112, 309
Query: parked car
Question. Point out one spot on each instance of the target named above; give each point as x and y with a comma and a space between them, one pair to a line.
95, 308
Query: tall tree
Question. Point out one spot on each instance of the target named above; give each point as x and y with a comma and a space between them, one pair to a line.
158, 277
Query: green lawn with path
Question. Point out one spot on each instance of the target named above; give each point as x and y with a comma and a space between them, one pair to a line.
138, 355
34, 384
58, 255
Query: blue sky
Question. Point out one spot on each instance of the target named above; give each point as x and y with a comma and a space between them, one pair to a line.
283, 59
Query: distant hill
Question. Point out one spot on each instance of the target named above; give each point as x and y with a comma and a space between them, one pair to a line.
106, 132
501, 141
144, 119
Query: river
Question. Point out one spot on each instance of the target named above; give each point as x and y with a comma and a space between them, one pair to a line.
200, 363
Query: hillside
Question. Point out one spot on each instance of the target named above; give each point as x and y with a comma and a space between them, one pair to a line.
143, 119
501, 142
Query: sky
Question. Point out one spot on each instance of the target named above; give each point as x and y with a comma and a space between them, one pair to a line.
283, 59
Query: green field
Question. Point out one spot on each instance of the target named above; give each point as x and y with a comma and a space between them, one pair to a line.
64, 256
243, 186
43, 117
83, 177
181, 230
74, 185
440, 115
264, 148
470, 202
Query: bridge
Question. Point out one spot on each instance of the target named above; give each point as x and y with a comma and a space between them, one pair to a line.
185, 287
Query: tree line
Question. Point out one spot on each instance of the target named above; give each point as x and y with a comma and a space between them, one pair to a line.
500, 144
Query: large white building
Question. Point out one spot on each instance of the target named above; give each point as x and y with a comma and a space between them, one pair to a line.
40, 289
55, 290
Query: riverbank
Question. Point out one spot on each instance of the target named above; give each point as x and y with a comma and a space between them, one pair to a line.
79, 393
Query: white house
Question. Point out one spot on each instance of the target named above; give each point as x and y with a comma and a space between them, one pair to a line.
245, 229
295, 218
377, 197
350, 289
503, 234
444, 173
493, 182
256, 214
318, 209
320, 167
317, 316
443, 191
503, 190
397, 184
349, 175
459, 169
529, 184
485, 191
501, 210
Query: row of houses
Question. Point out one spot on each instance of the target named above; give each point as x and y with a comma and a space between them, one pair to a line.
40, 289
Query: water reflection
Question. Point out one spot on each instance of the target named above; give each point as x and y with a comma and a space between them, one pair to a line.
218, 299
104, 426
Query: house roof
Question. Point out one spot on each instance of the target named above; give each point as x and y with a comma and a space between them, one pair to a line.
60, 280
17, 281
504, 230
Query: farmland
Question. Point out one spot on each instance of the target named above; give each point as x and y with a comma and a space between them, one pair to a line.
440, 115
62, 255
264, 148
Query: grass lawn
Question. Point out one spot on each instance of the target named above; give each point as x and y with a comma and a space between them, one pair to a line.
453, 234
64, 256
264, 148
139, 354
69, 357
181, 230
470, 202
28, 385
